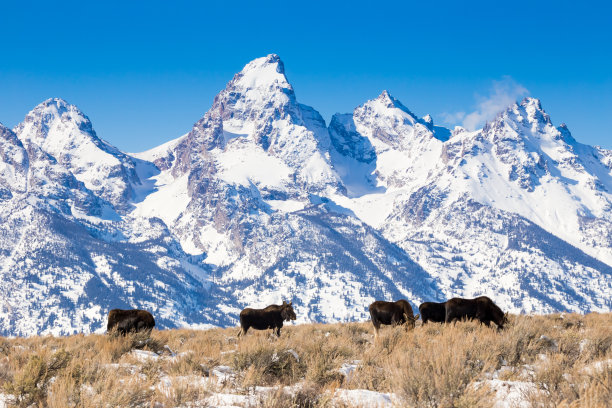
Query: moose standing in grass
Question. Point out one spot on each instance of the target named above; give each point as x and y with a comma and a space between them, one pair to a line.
132, 320
270, 317
393, 313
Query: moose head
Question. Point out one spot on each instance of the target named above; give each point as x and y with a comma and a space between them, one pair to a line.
287, 311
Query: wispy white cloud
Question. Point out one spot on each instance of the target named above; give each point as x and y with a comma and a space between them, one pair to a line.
452, 118
502, 94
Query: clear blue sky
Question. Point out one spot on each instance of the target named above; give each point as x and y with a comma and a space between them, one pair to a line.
144, 72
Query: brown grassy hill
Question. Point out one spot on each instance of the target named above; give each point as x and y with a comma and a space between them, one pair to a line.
552, 360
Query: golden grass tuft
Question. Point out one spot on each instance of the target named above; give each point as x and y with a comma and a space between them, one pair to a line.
562, 355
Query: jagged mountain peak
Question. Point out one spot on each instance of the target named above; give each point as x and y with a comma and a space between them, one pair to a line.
565, 134
262, 73
7, 136
534, 110
4, 131
520, 163
54, 112
390, 124
256, 97
57, 103
386, 100
258, 115
457, 130
386, 97
259, 91
62, 131
270, 60
521, 121
530, 101
529, 112
59, 127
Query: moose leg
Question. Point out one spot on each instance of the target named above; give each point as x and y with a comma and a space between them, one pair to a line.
405, 320
278, 332
376, 325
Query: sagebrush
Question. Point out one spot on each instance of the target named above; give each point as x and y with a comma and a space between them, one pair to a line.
567, 359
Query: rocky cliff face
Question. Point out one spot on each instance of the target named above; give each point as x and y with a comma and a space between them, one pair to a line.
262, 202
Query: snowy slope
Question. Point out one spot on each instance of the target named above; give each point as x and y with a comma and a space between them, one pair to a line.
67, 256
521, 163
261, 202
13, 164
63, 131
523, 177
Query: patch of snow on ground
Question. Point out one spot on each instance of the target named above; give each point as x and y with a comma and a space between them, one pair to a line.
598, 366
222, 400
223, 374
366, 398
144, 355
511, 394
166, 384
131, 368
255, 397
347, 369
5, 400
294, 354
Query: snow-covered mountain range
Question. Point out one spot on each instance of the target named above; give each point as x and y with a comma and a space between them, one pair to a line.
262, 201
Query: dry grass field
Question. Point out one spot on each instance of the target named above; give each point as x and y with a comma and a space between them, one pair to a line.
543, 361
